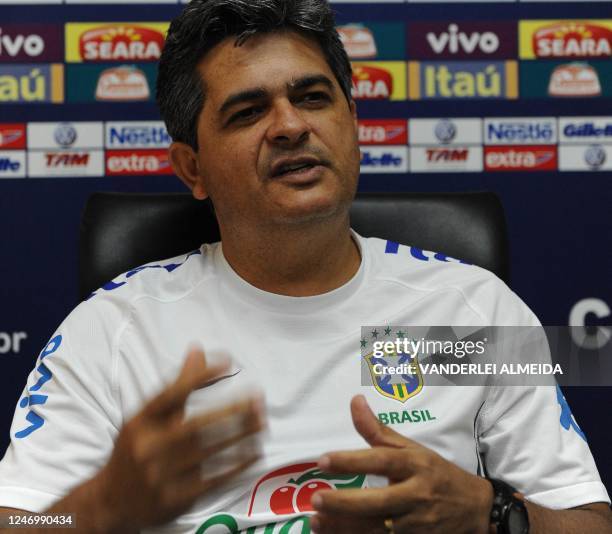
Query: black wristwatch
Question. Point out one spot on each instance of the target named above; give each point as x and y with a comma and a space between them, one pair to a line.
509, 513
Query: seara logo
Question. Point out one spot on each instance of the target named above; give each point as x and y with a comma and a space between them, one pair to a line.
460, 79
372, 83
572, 39
121, 43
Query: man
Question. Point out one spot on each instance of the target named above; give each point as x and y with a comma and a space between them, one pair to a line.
256, 95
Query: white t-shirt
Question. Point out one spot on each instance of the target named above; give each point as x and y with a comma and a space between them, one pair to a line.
126, 342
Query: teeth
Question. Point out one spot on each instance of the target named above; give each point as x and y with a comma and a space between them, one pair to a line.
295, 167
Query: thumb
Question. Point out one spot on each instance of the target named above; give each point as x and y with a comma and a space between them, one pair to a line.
371, 429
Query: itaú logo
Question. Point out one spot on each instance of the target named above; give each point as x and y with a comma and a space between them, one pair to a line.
594, 337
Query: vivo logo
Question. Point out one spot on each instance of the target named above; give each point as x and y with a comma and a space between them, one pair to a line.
32, 45
455, 41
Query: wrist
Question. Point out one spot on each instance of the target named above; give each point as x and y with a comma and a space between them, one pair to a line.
483, 500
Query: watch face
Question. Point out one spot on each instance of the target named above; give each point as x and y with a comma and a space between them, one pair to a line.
517, 520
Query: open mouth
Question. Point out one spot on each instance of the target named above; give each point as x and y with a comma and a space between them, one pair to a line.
295, 166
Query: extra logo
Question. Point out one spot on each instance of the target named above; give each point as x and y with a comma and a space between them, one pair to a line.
12, 136
358, 41
462, 40
384, 159
520, 131
382, 80
20, 84
30, 42
142, 134
383, 132
521, 158
574, 79
565, 39
460, 79
116, 41
137, 162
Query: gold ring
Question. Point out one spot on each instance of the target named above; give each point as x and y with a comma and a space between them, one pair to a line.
389, 526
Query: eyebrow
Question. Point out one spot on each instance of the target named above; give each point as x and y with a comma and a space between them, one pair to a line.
259, 93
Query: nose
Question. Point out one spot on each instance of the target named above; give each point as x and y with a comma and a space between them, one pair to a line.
288, 127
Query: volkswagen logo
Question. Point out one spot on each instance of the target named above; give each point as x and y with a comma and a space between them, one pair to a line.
445, 131
595, 156
65, 135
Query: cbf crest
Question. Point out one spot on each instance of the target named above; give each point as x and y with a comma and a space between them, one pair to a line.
393, 371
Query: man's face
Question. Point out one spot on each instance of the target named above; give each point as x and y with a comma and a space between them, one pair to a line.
277, 139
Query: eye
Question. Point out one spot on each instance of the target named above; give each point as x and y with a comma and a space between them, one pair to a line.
315, 97
245, 114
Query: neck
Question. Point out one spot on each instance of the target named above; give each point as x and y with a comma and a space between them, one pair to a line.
294, 261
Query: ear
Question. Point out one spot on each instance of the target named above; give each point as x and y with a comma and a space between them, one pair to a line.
185, 164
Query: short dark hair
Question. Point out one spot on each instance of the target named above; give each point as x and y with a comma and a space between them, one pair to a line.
203, 24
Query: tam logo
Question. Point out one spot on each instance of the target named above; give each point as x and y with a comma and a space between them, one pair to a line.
572, 39
63, 159
371, 83
121, 43
447, 154
383, 132
289, 490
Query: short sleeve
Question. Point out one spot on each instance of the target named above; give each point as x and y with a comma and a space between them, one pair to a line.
67, 416
527, 435
531, 440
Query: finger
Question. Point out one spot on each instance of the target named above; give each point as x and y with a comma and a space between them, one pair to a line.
339, 524
371, 429
389, 501
195, 456
384, 461
193, 375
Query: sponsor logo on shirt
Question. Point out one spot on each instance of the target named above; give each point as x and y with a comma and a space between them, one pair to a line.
384, 159
445, 131
381, 80
383, 132
289, 490
520, 158
565, 39
114, 41
12, 136
587, 129
358, 41
144, 134
462, 40
566, 418
34, 398
32, 83
12, 165
137, 162
30, 42
520, 131
574, 79
461, 79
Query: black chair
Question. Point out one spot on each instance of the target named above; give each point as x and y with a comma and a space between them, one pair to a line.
120, 231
